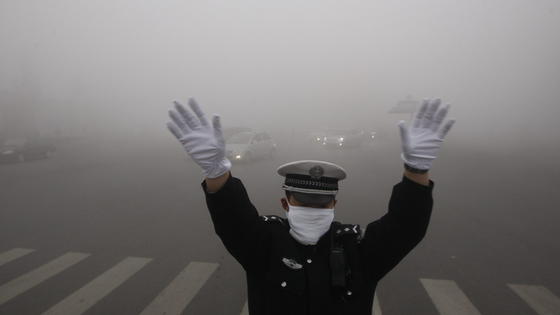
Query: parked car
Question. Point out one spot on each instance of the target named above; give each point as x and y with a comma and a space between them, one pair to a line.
248, 146
10, 151
35, 149
17, 150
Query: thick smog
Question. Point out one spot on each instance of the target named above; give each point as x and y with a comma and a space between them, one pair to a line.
319, 157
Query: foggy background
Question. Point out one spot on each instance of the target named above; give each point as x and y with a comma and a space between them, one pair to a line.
68, 65
98, 77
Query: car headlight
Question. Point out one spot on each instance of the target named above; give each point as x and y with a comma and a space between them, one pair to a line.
238, 157
318, 139
341, 139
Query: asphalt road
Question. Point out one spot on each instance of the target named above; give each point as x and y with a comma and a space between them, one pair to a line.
133, 214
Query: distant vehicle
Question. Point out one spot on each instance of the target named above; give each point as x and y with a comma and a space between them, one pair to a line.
316, 136
17, 150
248, 146
10, 151
342, 138
230, 131
35, 149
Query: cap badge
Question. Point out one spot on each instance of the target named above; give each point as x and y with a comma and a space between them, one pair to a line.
316, 172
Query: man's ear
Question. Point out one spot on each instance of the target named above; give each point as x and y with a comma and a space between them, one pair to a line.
284, 202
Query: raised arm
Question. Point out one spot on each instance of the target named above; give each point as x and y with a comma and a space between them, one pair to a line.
388, 240
235, 219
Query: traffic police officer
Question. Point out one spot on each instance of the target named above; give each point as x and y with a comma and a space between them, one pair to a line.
309, 264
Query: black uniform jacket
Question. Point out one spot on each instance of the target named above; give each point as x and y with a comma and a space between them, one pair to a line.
288, 278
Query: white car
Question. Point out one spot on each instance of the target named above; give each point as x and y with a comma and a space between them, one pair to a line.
247, 146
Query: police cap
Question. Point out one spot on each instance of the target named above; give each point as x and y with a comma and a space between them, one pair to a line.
311, 181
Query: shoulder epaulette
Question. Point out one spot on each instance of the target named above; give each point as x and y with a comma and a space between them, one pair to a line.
348, 229
272, 219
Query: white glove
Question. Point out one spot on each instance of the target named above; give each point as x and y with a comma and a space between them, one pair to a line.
203, 142
422, 140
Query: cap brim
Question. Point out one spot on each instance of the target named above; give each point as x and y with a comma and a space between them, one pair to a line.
312, 199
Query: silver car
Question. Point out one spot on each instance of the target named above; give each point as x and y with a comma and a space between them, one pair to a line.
249, 146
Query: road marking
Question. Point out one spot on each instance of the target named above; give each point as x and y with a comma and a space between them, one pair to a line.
448, 297
13, 254
27, 281
85, 297
178, 294
245, 310
539, 298
376, 306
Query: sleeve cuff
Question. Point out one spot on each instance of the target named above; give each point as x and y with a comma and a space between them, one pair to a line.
224, 187
412, 184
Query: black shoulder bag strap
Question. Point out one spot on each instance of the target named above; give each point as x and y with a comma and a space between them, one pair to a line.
346, 269
337, 260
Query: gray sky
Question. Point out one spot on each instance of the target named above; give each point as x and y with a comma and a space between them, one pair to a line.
116, 65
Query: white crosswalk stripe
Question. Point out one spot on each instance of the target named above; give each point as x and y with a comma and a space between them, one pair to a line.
84, 298
539, 298
178, 294
27, 281
376, 306
448, 297
13, 254
245, 310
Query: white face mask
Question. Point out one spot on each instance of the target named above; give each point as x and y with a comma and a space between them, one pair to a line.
307, 225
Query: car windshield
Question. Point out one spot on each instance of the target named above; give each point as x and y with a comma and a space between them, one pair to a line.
240, 138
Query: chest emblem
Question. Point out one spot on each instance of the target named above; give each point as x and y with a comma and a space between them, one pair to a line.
292, 264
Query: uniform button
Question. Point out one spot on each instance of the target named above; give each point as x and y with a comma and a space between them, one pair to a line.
309, 261
283, 284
